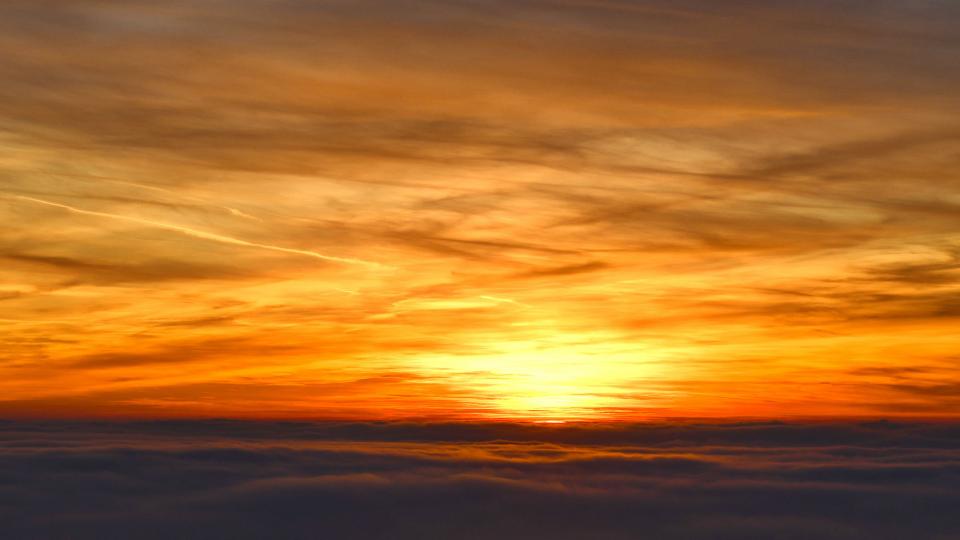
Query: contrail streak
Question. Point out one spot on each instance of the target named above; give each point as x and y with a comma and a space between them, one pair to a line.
228, 209
202, 234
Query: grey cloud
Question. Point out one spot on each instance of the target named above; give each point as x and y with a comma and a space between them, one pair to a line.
566, 270
221, 479
923, 274
103, 272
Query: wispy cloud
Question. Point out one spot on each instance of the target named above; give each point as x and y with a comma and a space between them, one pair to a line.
198, 234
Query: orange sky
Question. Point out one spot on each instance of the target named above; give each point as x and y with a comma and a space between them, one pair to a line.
541, 209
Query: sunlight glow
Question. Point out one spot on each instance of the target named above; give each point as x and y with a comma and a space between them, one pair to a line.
579, 376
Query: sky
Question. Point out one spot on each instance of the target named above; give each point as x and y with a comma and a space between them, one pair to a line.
480, 210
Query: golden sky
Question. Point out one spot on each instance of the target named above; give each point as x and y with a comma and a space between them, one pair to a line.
535, 209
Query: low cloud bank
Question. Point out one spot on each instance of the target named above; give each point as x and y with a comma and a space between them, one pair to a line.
223, 479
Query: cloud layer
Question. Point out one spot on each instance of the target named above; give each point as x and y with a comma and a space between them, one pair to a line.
403, 481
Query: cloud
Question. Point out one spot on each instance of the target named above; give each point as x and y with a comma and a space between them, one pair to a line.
220, 479
931, 273
565, 270
204, 235
83, 271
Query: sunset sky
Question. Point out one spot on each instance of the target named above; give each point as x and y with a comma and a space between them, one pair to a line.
534, 210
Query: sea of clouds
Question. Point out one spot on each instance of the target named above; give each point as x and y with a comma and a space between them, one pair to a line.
684, 480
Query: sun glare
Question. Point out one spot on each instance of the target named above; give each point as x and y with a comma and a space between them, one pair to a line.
550, 379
